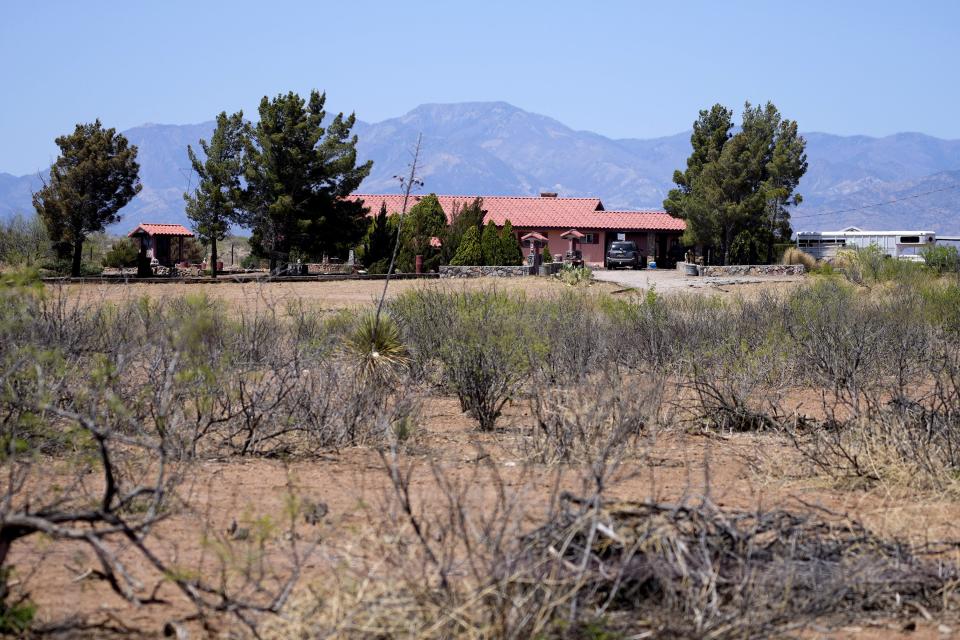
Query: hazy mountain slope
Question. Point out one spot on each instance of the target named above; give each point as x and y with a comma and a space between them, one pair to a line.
496, 148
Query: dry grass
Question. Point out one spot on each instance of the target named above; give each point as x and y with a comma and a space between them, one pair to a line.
793, 255
311, 295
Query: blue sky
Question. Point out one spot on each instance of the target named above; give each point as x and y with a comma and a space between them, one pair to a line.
623, 69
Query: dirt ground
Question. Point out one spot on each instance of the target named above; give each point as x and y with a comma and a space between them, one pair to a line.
738, 471
329, 295
743, 471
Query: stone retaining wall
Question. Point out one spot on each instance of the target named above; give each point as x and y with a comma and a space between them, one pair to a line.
450, 271
754, 270
327, 268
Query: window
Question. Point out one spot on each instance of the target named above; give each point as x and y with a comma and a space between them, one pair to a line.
909, 239
590, 238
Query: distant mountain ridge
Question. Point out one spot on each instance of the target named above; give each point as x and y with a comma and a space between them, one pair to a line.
497, 149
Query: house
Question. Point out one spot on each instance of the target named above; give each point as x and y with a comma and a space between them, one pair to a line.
156, 242
656, 232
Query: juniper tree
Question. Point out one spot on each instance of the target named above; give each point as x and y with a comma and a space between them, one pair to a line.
510, 251
298, 175
216, 202
469, 253
462, 218
378, 244
424, 221
490, 244
94, 176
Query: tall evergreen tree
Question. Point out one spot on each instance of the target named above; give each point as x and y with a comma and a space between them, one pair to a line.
490, 244
424, 221
298, 173
94, 176
470, 252
510, 251
461, 219
736, 187
216, 202
378, 243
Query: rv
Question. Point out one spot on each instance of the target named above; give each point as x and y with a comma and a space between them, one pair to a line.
903, 245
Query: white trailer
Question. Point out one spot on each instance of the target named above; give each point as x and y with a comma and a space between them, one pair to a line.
903, 245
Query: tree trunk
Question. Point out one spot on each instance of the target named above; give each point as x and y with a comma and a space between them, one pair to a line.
773, 226
77, 258
213, 257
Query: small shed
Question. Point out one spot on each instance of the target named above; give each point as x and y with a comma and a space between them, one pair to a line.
156, 241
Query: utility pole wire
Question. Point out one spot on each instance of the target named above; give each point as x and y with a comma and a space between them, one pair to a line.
875, 204
408, 183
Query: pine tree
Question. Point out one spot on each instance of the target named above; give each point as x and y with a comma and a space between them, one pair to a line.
490, 244
94, 176
298, 174
736, 187
470, 252
215, 203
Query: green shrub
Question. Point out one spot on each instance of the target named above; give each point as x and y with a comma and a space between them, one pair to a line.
123, 253
575, 276
941, 258
547, 256
485, 352
470, 252
250, 261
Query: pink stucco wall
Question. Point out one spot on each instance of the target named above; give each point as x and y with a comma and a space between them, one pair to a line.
593, 254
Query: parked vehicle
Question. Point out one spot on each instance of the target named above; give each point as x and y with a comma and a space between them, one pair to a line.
623, 253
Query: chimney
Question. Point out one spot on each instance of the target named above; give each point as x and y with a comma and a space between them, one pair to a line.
548, 194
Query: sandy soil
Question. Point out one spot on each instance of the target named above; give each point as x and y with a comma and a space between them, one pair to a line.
739, 471
338, 295
320, 295
745, 471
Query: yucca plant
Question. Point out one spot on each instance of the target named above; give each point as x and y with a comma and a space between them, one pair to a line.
376, 347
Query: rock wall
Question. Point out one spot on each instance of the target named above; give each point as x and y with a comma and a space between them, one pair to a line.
754, 270
322, 268
450, 271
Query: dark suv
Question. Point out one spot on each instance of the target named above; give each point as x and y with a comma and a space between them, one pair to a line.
623, 253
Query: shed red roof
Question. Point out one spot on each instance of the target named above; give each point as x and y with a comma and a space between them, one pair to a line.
536, 212
156, 229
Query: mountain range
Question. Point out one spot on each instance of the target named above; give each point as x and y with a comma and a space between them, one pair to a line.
497, 149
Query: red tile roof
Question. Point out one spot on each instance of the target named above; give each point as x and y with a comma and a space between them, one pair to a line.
155, 229
643, 220
535, 212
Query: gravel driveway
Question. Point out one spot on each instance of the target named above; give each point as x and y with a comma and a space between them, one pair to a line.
673, 280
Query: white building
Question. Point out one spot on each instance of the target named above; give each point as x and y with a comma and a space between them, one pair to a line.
904, 245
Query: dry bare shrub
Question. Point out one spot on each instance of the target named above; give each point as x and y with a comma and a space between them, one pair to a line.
737, 385
905, 434
444, 562
82, 467
841, 339
794, 255
602, 413
699, 571
577, 338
